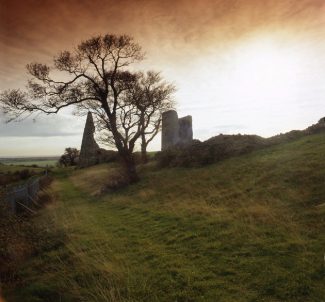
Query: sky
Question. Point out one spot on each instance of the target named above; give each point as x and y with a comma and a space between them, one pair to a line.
240, 66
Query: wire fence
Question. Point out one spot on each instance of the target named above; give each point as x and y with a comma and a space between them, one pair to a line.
24, 196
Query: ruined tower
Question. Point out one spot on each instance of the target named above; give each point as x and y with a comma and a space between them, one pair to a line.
185, 131
170, 129
174, 130
89, 148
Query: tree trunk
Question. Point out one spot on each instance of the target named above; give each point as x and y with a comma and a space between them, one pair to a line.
125, 154
130, 168
144, 156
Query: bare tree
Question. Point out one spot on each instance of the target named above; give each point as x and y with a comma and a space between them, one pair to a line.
95, 75
144, 100
151, 96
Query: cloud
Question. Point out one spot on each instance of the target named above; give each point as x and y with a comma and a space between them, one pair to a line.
170, 31
191, 41
43, 126
234, 127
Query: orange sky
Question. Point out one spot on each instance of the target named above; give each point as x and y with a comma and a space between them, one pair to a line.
195, 43
169, 31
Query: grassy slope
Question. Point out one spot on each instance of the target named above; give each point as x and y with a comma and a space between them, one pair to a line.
247, 229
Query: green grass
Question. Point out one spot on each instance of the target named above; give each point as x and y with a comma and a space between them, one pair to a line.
251, 228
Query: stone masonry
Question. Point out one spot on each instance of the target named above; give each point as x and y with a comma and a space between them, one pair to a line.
89, 149
175, 130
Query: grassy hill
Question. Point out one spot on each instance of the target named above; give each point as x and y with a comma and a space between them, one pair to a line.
250, 228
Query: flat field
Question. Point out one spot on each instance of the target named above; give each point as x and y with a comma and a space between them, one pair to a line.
30, 161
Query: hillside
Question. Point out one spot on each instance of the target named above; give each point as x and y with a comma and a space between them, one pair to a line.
222, 146
249, 228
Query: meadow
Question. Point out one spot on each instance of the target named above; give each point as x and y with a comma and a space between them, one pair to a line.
249, 228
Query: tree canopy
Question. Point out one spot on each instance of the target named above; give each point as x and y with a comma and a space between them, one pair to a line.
94, 76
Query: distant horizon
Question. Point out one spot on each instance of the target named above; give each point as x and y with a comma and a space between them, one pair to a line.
34, 157
150, 150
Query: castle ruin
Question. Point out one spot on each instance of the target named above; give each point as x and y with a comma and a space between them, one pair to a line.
89, 148
90, 153
175, 131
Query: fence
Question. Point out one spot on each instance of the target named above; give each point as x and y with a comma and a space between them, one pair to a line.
23, 197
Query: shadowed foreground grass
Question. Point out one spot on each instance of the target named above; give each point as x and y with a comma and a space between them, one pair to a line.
246, 229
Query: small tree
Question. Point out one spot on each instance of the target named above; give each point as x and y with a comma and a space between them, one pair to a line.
146, 98
69, 157
95, 74
151, 97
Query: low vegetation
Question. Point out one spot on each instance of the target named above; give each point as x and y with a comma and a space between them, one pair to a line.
21, 237
12, 175
69, 157
215, 149
220, 147
249, 228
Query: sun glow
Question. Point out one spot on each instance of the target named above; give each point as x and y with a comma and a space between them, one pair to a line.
259, 70
264, 70
263, 85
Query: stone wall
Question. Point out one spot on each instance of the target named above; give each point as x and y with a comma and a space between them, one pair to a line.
174, 130
89, 149
185, 131
90, 153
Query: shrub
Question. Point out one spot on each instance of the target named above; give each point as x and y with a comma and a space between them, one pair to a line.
24, 174
107, 156
215, 149
69, 157
116, 181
